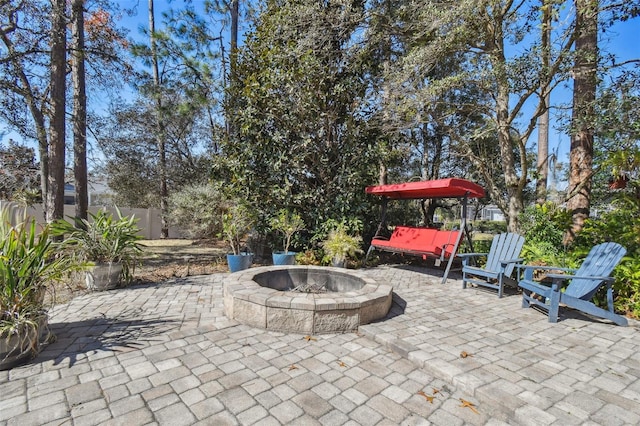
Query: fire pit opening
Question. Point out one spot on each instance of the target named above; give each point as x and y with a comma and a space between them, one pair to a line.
309, 280
305, 299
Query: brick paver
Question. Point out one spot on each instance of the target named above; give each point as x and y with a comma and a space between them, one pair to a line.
166, 354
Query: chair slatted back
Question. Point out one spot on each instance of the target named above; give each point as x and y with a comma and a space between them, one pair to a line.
504, 246
600, 262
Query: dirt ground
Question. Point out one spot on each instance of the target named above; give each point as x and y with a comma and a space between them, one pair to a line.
162, 260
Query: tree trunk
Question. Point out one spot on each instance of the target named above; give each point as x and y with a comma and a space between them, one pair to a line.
515, 202
235, 12
79, 111
162, 160
55, 192
584, 96
543, 121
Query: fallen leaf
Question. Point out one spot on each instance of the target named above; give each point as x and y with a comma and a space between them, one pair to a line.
435, 391
427, 397
469, 404
293, 367
464, 354
309, 338
341, 363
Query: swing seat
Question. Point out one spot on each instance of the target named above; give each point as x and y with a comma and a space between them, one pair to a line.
425, 242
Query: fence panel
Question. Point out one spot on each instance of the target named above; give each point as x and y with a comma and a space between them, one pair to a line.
149, 220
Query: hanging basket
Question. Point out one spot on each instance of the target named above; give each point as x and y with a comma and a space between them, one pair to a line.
619, 182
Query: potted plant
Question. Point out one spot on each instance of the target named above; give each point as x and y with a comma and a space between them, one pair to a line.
30, 262
237, 221
110, 245
340, 246
287, 224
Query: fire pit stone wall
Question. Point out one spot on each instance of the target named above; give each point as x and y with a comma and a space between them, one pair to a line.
250, 299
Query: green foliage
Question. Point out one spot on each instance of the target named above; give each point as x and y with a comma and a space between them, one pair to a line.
308, 257
301, 140
287, 223
20, 175
622, 225
197, 210
29, 263
627, 286
544, 227
102, 239
237, 221
340, 245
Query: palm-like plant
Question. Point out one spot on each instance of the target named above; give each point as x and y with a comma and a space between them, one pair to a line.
29, 263
103, 239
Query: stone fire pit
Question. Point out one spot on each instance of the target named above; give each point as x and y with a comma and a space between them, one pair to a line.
328, 300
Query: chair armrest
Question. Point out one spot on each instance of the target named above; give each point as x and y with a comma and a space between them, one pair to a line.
527, 270
505, 262
555, 268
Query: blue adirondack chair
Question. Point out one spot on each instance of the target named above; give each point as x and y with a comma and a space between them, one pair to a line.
585, 282
501, 259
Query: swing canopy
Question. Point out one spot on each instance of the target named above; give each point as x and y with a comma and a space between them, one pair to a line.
439, 188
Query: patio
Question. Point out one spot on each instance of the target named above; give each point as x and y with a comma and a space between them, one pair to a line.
166, 354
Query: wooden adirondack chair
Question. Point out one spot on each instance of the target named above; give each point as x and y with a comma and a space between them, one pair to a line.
585, 282
501, 259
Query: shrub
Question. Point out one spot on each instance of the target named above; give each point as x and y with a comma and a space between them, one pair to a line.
622, 225
544, 227
197, 210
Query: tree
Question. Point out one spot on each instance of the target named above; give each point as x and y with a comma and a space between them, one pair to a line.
27, 76
500, 73
25, 79
159, 129
79, 110
582, 117
542, 170
54, 205
304, 143
125, 137
19, 171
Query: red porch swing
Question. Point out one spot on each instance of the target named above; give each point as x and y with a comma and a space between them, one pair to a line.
423, 241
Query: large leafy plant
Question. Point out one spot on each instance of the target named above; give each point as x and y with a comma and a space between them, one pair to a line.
29, 263
103, 239
340, 245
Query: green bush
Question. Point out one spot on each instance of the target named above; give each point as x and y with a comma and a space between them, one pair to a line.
622, 225
544, 227
197, 210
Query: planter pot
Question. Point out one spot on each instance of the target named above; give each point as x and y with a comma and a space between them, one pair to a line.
103, 276
239, 262
338, 263
284, 258
18, 348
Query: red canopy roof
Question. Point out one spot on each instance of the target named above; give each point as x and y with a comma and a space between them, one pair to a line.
441, 188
